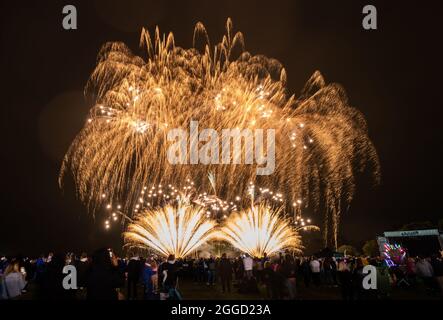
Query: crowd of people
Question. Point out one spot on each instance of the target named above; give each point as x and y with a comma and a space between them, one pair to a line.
104, 276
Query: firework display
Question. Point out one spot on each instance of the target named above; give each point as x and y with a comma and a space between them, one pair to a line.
321, 142
181, 229
170, 230
238, 151
259, 231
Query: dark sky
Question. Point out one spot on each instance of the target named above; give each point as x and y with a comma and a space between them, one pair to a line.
391, 75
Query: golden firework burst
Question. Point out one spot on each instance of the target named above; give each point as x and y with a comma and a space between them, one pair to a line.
260, 230
177, 230
321, 141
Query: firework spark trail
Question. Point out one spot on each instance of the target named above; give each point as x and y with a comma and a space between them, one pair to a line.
170, 230
260, 230
321, 142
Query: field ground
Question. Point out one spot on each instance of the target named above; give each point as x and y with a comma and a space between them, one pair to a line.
201, 291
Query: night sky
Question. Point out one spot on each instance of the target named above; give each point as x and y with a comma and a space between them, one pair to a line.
392, 75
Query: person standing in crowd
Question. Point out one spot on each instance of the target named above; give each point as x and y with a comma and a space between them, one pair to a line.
169, 271
225, 271
133, 271
425, 272
82, 269
51, 281
437, 266
194, 263
248, 265
334, 272
211, 271
315, 270
13, 281
267, 278
122, 265
411, 270
3, 265
239, 269
276, 280
205, 271
201, 270
328, 270
104, 277
40, 267
306, 272
345, 278
150, 279
289, 271
259, 269
29, 269
262, 266
357, 280
384, 280
154, 266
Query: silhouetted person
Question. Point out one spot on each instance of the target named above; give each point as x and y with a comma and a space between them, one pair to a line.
104, 276
289, 271
134, 270
169, 276
306, 272
52, 280
437, 265
210, 271
82, 269
425, 271
345, 278
225, 270
357, 280
40, 268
